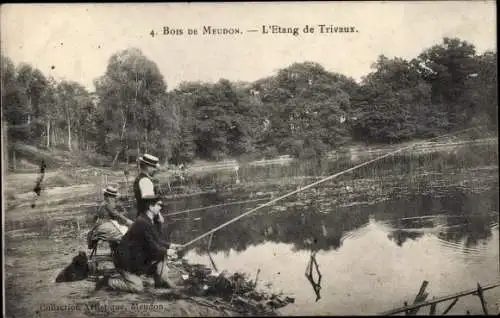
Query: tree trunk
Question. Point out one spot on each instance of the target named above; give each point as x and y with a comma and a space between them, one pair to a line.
138, 145
30, 130
5, 152
48, 134
127, 154
135, 106
120, 149
81, 142
69, 135
53, 135
116, 157
14, 160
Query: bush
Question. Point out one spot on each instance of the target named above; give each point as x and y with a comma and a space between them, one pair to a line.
59, 180
92, 159
33, 155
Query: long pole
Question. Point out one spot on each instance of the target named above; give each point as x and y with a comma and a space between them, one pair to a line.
437, 300
312, 185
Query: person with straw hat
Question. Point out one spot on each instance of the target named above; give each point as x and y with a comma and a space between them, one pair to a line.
143, 184
142, 251
109, 224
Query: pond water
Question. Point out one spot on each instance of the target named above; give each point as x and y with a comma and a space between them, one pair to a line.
376, 234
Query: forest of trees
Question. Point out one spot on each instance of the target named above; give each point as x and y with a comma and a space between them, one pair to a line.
302, 110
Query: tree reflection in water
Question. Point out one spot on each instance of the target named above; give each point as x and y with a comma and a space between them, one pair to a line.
412, 184
399, 236
453, 215
412, 194
456, 217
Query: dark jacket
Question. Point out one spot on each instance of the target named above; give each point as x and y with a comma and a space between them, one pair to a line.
105, 213
140, 247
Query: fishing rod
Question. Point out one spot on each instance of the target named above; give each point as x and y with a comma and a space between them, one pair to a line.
183, 246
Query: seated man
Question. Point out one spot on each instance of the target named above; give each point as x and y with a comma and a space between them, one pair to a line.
142, 252
110, 225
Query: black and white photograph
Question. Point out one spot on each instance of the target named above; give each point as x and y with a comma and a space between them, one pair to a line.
213, 159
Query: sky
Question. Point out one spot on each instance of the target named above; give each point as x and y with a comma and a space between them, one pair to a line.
75, 41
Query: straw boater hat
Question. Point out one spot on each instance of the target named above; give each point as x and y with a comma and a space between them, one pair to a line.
150, 160
111, 191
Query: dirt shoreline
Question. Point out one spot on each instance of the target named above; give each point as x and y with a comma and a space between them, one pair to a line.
31, 291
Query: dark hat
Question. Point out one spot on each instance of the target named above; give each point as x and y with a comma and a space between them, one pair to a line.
111, 191
150, 160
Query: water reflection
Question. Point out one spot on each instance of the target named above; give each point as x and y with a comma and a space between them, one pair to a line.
303, 226
399, 236
471, 230
456, 217
401, 186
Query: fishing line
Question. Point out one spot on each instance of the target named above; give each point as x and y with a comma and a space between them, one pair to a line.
315, 184
215, 206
